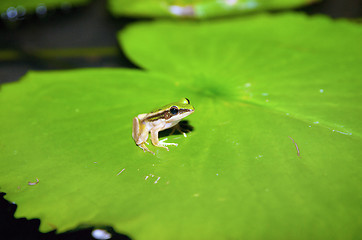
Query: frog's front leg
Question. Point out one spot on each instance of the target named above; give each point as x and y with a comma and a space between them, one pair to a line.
158, 143
140, 134
145, 148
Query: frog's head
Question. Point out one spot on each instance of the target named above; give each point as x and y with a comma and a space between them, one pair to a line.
178, 110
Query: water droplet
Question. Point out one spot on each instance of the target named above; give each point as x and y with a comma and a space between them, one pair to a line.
316, 122
101, 234
41, 10
157, 180
182, 11
344, 133
21, 11
247, 85
265, 94
231, 2
11, 13
121, 171
321, 90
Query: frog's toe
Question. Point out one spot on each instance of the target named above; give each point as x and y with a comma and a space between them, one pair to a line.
148, 150
163, 146
145, 149
165, 143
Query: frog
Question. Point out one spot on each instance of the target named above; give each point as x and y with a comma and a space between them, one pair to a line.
158, 120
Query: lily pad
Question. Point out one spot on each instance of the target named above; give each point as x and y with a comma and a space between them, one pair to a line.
273, 154
197, 8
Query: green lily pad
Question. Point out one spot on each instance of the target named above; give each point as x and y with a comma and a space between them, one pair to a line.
273, 154
197, 8
18, 8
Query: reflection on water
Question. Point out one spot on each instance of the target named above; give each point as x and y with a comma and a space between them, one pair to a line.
14, 13
66, 37
17, 13
41, 10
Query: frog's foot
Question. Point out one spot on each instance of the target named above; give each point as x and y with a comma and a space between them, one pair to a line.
144, 148
163, 144
179, 129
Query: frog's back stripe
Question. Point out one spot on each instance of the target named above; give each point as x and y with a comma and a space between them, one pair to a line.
165, 114
155, 116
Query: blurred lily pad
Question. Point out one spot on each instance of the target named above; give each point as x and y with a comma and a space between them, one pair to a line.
197, 8
273, 154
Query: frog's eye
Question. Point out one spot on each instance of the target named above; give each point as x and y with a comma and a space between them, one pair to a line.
173, 110
185, 101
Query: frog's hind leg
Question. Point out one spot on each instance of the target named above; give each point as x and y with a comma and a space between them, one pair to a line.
135, 129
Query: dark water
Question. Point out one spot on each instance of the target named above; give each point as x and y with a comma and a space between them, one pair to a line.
32, 43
